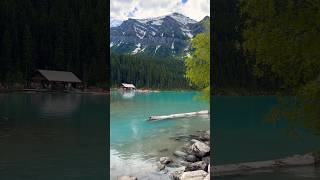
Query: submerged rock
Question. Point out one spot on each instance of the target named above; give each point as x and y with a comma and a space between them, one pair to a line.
200, 165
165, 160
164, 150
205, 136
161, 166
180, 154
194, 175
191, 158
127, 178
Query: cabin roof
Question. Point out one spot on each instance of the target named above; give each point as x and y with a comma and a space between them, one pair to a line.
128, 85
59, 76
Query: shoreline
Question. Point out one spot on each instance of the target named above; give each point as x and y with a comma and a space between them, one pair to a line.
51, 91
192, 160
245, 168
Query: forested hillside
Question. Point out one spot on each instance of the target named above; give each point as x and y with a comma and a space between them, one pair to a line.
58, 35
148, 72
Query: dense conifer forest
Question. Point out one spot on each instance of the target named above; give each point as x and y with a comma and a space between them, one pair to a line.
148, 72
65, 35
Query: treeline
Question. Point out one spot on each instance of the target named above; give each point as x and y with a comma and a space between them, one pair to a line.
65, 35
148, 72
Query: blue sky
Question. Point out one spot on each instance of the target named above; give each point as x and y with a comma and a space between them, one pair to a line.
140, 9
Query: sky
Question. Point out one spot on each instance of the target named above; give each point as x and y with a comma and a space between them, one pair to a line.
141, 9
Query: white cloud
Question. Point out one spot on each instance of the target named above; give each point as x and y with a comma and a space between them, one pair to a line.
140, 9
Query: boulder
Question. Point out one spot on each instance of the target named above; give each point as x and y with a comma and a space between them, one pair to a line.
191, 158
127, 178
200, 165
200, 149
194, 175
165, 160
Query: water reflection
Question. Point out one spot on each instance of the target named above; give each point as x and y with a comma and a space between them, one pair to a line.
60, 105
128, 94
53, 136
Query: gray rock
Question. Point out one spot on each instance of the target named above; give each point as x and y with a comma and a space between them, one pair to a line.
200, 165
206, 159
200, 149
127, 178
191, 158
180, 154
207, 177
194, 175
205, 136
161, 166
175, 175
165, 160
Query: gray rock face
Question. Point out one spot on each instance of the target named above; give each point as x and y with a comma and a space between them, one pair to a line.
127, 178
200, 165
161, 36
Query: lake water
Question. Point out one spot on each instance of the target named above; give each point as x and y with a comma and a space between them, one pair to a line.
53, 136
241, 134
135, 143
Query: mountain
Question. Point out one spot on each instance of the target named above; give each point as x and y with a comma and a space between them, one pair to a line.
164, 36
115, 22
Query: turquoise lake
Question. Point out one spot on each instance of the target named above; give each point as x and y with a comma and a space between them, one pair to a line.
53, 136
135, 143
63, 136
241, 134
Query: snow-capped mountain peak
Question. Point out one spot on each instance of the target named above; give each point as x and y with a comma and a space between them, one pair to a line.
162, 36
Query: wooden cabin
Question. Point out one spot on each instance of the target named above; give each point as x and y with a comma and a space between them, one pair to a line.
55, 80
126, 86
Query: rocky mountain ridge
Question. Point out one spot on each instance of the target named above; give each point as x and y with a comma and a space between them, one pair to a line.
161, 36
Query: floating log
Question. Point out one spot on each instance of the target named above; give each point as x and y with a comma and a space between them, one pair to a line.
259, 166
181, 115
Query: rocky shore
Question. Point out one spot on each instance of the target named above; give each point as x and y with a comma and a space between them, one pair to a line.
190, 162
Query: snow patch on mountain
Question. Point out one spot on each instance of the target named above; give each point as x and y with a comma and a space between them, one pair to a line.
157, 47
136, 50
139, 33
182, 19
157, 22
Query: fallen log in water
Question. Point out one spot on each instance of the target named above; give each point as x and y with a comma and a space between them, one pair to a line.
181, 115
251, 167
